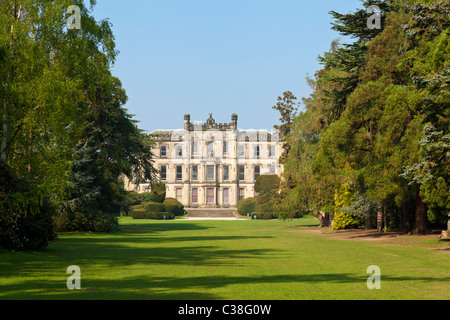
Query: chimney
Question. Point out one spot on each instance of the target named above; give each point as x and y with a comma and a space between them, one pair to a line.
234, 119
187, 121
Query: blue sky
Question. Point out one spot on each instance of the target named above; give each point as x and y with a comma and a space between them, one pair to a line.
216, 56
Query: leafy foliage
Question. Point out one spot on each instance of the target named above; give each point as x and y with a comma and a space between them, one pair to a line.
380, 106
62, 116
344, 197
266, 183
25, 214
246, 206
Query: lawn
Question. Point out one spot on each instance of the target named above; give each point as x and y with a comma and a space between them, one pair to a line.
238, 260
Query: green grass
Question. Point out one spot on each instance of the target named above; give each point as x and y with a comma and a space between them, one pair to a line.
243, 259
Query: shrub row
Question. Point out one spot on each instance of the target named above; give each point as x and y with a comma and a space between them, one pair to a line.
174, 206
154, 207
85, 222
147, 210
138, 214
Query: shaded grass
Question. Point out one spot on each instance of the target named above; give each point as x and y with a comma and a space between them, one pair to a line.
242, 259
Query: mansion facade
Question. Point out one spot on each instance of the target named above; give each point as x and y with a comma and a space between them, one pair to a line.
212, 164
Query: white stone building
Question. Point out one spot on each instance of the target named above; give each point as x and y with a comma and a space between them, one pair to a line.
213, 164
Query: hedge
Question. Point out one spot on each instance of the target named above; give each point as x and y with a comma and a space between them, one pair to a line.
152, 215
158, 193
174, 206
154, 207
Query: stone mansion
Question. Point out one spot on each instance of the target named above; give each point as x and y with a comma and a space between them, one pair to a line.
212, 164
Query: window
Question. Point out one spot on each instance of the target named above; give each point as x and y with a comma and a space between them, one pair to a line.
179, 194
241, 194
273, 169
210, 149
195, 173
210, 173
226, 173
195, 196
226, 196
179, 173
241, 173
257, 152
179, 152
225, 147
210, 196
257, 172
163, 173
163, 152
272, 152
241, 151
195, 147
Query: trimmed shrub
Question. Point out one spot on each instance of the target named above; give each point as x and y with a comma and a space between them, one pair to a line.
154, 207
158, 193
139, 206
174, 206
246, 206
152, 215
85, 222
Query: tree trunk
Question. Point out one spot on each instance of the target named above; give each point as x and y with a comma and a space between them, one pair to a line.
324, 219
4, 146
421, 218
379, 218
368, 224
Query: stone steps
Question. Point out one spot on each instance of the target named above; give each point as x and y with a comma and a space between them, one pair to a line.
211, 213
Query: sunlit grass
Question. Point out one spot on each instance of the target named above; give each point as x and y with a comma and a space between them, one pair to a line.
241, 259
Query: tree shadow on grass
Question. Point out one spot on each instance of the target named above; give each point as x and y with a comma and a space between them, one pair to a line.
125, 250
176, 288
146, 250
151, 227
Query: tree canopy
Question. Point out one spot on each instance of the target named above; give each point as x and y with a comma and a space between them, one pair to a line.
64, 129
375, 128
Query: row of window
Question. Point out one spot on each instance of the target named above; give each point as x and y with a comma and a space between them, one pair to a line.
210, 150
211, 174
210, 195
